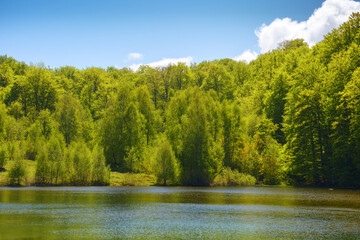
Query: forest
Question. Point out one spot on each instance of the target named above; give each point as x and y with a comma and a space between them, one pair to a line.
292, 117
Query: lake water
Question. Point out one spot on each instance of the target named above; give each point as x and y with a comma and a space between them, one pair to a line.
179, 213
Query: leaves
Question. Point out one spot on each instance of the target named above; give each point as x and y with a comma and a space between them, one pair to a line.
292, 115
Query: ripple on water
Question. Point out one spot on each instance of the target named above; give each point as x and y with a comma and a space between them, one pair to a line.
184, 213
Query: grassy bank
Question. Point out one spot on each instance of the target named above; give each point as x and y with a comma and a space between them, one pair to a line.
117, 179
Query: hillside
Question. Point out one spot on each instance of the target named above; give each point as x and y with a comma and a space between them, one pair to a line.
291, 116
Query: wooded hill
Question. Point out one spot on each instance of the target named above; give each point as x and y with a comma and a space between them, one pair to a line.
290, 116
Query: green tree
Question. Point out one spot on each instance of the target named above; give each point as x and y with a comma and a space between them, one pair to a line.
17, 169
3, 156
197, 167
43, 166
55, 152
121, 130
79, 164
307, 135
231, 132
36, 91
346, 144
219, 80
74, 121
275, 105
6, 75
166, 166
146, 109
101, 172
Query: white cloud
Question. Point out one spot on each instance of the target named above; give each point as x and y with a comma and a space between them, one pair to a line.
163, 63
247, 56
135, 67
134, 56
330, 15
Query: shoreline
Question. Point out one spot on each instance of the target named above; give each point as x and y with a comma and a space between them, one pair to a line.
118, 179
172, 186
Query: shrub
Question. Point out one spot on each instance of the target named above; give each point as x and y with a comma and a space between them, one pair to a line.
230, 177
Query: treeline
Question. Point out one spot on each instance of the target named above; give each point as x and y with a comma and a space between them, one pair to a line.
290, 116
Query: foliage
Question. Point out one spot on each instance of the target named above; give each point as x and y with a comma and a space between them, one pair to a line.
50, 167
132, 179
17, 170
166, 167
292, 115
100, 172
3, 156
230, 177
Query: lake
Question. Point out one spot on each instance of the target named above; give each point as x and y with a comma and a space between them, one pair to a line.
179, 212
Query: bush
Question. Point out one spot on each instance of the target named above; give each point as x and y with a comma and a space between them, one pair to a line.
230, 177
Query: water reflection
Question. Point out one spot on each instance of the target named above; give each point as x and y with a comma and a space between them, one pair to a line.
158, 213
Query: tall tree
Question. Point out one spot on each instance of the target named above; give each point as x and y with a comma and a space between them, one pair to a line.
197, 168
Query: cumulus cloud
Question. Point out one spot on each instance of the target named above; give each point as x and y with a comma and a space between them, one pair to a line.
330, 15
247, 56
134, 56
135, 67
163, 62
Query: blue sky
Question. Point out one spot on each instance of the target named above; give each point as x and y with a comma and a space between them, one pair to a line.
104, 33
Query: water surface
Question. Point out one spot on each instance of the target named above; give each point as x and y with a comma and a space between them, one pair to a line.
179, 212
